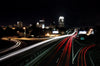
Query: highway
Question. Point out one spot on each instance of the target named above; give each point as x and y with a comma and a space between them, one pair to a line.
59, 51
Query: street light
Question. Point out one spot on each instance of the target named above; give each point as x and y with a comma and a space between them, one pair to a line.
24, 28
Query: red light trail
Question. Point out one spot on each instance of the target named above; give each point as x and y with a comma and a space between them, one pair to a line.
58, 46
85, 53
84, 50
67, 47
67, 50
63, 53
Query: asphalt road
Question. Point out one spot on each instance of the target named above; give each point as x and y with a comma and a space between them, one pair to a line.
65, 51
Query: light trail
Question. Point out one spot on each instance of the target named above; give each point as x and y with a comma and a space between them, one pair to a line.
18, 43
69, 50
76, 55
67, 47
80, 54
72, 52
32, 62
86, 51
60, 45
63, 53
33, 46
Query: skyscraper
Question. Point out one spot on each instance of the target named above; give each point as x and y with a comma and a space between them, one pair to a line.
61, 21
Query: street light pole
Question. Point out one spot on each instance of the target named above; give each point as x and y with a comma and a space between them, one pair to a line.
24, 31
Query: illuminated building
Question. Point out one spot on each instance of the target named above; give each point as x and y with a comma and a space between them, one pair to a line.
19, 24
61, 21
41, 24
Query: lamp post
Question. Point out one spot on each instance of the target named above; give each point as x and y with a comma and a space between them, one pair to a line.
24, 28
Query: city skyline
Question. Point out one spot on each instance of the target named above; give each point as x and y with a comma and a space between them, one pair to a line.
75, 12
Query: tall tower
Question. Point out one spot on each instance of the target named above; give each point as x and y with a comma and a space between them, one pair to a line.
61, 21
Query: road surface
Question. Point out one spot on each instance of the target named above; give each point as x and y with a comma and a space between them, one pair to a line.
58, 51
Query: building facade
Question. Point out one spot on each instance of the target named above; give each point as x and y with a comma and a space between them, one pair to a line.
61, 21
19, 24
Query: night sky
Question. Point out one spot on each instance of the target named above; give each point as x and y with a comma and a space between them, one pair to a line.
76, 12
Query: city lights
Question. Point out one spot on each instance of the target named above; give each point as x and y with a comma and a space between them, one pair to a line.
90, 32
50, 33
13, 28
82, 32
47, 34
55, 32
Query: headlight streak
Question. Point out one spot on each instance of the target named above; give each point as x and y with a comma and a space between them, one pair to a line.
58, 46
69, 50
18, 43
33, 46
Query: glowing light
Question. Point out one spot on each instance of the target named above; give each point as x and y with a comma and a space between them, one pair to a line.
61, 17
47, 27
24, 28
13, 28
33, 46
90, 32
58, 46
4, 28
55, 32
43, 26
37, 23
41, 20
47, 34
63, 53
82, 38
82, 32
32, 35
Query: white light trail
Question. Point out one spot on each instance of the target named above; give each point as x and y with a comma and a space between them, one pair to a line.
33, 46
12, 47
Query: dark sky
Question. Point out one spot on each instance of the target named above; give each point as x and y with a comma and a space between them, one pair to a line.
76, 12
